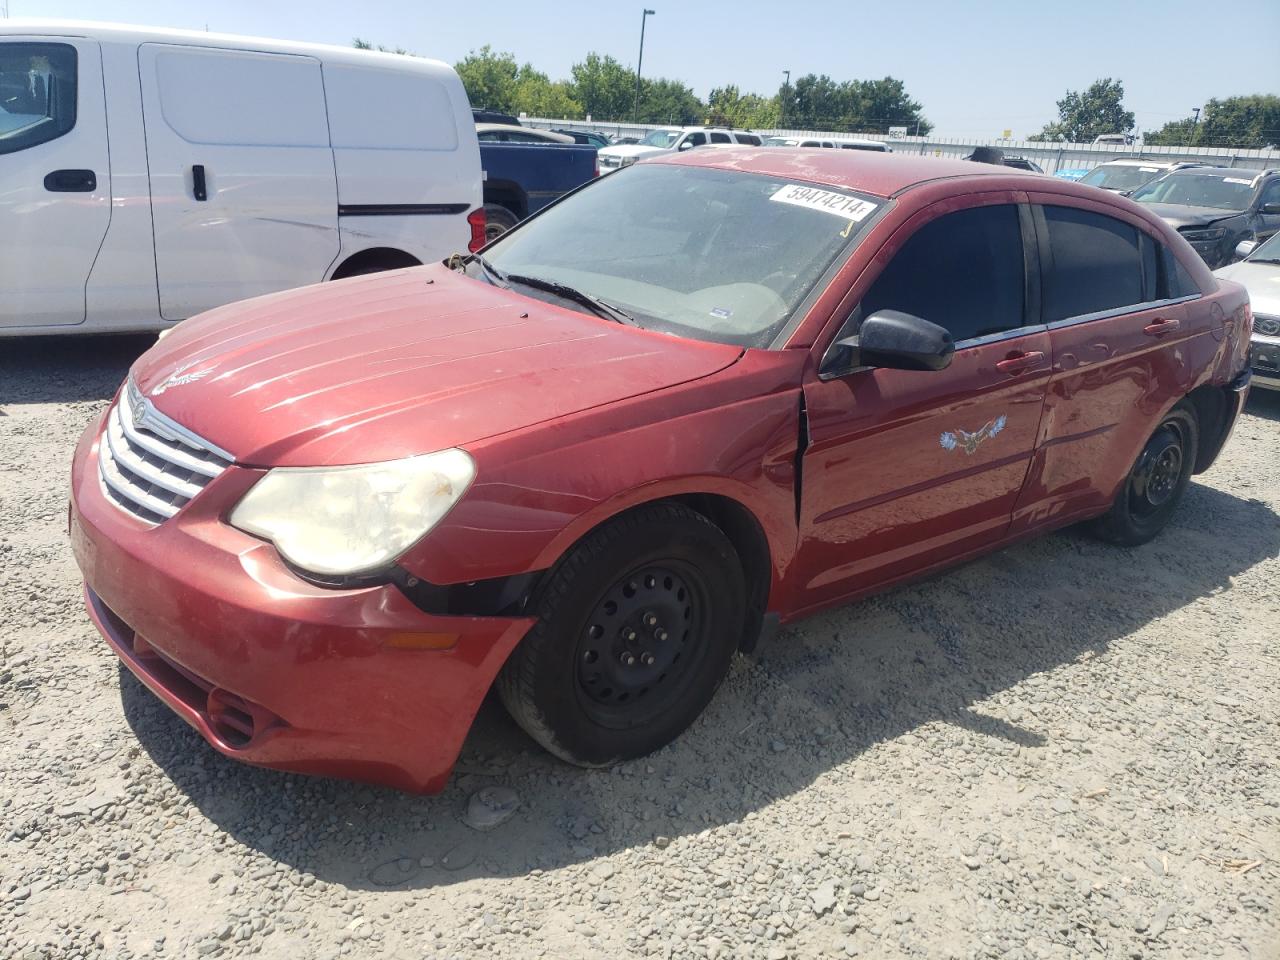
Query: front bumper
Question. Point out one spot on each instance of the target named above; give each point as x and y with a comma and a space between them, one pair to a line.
272, 670
1264, 360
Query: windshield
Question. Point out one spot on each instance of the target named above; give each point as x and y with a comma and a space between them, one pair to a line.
1268, 250
1223, 192
661, 138
1122, 177
709, 254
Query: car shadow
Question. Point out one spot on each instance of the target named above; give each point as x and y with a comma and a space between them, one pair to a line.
66, 369
1264, 403
817, 696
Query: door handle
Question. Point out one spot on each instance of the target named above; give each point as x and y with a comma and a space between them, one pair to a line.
1160, 327
197, 183
1020, 362
71, 181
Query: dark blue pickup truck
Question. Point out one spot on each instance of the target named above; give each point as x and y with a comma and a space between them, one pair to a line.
522, 178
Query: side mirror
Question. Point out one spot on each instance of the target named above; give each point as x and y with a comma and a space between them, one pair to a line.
1245, 247
1271, 208
685, 145
890, 338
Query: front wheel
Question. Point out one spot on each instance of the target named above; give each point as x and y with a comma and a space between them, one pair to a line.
1155, 485
636, 628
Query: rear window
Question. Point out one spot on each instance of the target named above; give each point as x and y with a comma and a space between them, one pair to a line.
748, 138
1123, 177
37, 93
1096, 264
423, 118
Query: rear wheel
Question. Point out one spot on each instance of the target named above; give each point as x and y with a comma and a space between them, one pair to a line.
497, 221
1155, 485
636, 629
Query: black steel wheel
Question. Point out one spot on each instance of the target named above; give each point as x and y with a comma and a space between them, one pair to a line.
1156, 482
636, 628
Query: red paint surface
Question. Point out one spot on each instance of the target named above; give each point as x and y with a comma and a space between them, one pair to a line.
572, 419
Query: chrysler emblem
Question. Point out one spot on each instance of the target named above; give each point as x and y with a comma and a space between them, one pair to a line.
139, 412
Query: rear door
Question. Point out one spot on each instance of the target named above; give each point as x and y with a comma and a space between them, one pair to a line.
55, 182
1119, 313
907, 469
243, 190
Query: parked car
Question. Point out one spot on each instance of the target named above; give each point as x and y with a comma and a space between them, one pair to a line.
520, 178
1022, 163
1071, 173
481, 115
846, 143
1129, 173
672, 140
1259, 274
589, 137
591, 466
996, 156
1215, 208
504, 133
231, 167
1116, 139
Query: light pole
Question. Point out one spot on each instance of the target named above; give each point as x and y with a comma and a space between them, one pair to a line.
782, 102
635, 117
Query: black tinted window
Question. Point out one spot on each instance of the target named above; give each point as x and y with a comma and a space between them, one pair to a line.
750, 138
1174, 280
962, 271
1094, 265
37, 93
720, 138
696, 139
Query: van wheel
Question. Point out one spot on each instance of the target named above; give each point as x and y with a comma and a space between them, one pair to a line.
1156, 483
636, 628
497, 221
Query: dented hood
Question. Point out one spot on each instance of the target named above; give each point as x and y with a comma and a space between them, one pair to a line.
398, 364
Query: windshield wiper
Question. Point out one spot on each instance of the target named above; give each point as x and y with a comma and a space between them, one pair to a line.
459, 261
1263, 260
593, 303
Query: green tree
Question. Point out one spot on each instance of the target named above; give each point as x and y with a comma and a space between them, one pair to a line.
667, 101
1247, 122
490, 79
1083, 116
366, 45
604, 87
729, 107
869, 106
538, 96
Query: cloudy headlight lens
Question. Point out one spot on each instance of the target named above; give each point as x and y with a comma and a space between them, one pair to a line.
342, 521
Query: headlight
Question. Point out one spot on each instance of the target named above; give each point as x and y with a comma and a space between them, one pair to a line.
1203, 236
341, 521
626, 162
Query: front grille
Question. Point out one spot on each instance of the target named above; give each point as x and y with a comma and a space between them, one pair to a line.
149, 465
1267, 326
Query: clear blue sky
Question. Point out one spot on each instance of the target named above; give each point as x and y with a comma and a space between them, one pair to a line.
978, 67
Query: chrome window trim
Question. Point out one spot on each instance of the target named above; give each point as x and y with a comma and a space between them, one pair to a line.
1121, 311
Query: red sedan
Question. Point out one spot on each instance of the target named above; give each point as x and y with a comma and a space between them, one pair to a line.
699, 398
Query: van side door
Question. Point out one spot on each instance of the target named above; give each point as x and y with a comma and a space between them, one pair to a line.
55, 182
244, 195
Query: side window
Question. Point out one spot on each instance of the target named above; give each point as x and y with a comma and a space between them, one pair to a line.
696, 139
720, 138
1270, 194
810, 143
748, 138
37, 93
1175, 282
1096, 264
963, 271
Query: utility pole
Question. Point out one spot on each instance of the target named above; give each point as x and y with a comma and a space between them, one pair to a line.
782, 101
1195, 122
635, 117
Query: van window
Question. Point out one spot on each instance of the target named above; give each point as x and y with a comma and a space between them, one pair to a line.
720, 138
242, 99
748, 138
37, 93
388, 109
963, 271
1096, 264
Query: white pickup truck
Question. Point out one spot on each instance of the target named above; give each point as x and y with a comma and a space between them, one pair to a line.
669, 140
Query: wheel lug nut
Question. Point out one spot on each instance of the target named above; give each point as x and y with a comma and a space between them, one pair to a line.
650, 620
661, 635
630, 635
647, 658
628, 659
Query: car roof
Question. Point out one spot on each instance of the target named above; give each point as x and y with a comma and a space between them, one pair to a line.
866, 171
508, 128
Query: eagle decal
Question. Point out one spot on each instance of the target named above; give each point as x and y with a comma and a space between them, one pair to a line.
180, 377
970, 442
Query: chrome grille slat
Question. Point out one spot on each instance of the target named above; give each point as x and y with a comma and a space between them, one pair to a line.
152, 468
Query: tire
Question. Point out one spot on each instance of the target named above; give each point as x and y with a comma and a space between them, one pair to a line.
497, 221
1156, 482
636, 629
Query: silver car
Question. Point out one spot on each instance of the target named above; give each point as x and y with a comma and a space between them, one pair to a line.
1259, 273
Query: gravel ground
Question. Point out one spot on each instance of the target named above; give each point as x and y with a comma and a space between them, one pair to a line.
1062, 750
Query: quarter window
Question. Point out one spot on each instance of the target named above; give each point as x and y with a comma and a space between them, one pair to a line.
37, 93
963, 271
1096, 264
720, 138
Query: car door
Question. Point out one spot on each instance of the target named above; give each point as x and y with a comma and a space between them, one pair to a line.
1119, 312
1267, 219
55, 181
904, 470
244, 195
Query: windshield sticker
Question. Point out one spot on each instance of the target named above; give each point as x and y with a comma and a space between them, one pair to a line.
1247, 183
841, 204
724, 313
969, 442
1149, 169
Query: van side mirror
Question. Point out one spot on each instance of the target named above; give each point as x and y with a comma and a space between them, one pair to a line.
890, 338
1245, 247
685, 145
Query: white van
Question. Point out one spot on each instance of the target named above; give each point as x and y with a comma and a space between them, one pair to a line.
147, 175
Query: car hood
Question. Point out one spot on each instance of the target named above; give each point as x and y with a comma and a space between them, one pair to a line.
1177, 216
397, 364
630, 150
1262, 280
